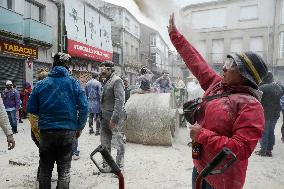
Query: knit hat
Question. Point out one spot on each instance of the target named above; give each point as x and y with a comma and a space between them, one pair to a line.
251, 66
9, 82
61, 59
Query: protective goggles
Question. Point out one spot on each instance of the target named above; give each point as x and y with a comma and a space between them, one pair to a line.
229, 63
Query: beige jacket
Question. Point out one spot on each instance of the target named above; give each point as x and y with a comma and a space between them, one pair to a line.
4, 120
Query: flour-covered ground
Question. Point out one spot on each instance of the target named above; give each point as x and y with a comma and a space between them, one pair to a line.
146, 167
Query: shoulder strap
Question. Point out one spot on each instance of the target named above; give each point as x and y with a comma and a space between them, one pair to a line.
209, 98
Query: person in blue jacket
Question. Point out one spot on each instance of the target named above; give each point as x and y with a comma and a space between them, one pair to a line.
62, 107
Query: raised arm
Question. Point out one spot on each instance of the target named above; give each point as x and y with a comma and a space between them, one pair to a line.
193, 60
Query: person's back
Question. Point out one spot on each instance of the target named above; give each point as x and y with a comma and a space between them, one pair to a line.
57, 97
272, 93
144, 83
61, 105
144, 79
93, 90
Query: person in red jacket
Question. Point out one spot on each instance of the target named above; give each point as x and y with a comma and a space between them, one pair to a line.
24, 96
235, 121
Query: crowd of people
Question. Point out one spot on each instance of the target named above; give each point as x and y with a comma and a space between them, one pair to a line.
244, 106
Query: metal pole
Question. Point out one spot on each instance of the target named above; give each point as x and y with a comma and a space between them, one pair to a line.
274, 38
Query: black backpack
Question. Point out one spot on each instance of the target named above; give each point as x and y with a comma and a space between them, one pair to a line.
191, 108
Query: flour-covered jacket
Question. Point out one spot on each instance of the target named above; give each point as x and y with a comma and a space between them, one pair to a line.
59, 101
4, 121
113, 98
272, 93
93, 91
235, 121
11, 99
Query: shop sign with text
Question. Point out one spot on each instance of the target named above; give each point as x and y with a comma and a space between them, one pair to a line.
82, 50
7, 47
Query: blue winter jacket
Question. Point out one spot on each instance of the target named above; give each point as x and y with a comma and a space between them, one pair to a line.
59, 101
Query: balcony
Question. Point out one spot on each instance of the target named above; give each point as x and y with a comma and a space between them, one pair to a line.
11, 23
37, 33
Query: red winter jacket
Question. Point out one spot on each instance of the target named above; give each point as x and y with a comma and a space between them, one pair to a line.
235, 122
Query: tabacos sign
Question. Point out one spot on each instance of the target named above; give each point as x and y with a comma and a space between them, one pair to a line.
7, 47
82, 50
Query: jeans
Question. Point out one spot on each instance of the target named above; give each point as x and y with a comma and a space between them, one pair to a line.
75, 150
205, 185
55, 146
13, 120
268, 138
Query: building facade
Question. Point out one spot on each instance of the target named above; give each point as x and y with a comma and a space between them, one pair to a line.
278, 42
28, 38
126, 38
177, 68
87, 36
154, 51
223, 27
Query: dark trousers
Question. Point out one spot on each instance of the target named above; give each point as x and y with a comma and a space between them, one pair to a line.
55, 146
205, 185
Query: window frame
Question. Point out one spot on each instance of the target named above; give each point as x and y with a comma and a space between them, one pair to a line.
249, 19
41, 7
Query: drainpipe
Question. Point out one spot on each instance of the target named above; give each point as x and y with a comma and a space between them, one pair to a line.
274, 54
59, 23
